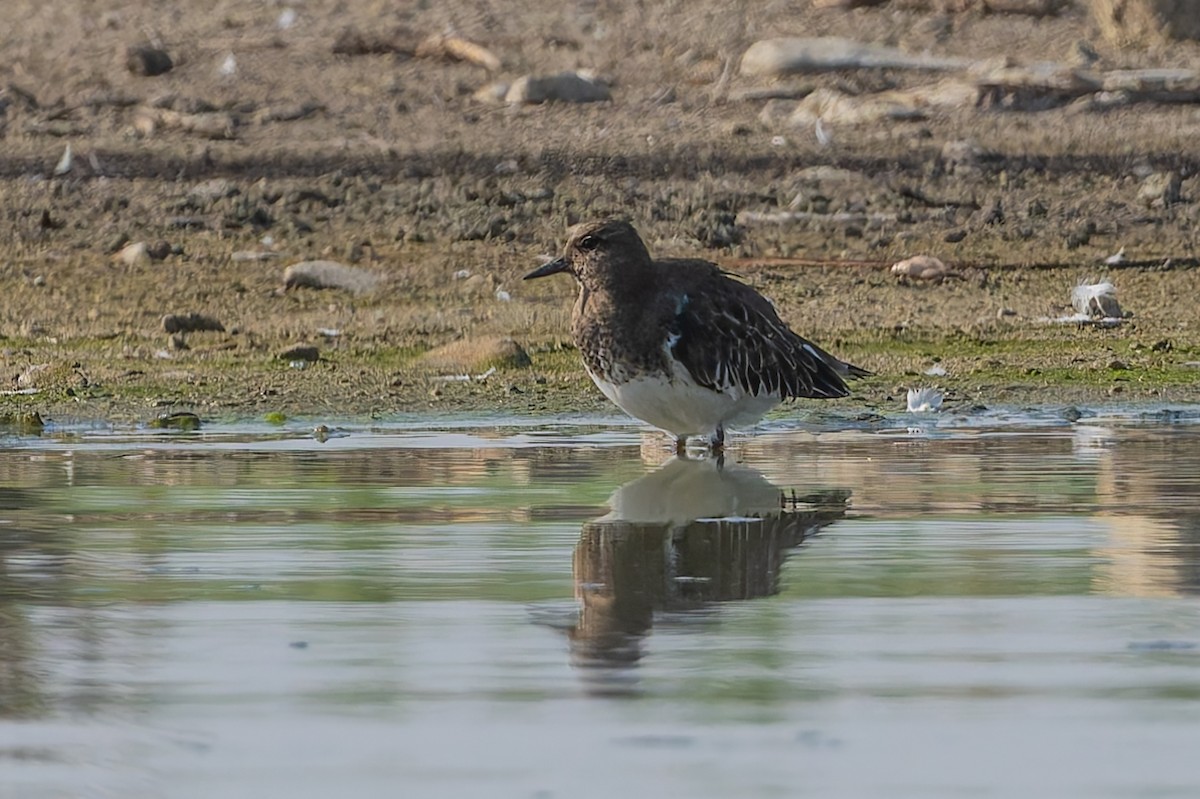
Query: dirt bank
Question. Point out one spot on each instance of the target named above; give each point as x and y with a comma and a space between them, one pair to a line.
387, 163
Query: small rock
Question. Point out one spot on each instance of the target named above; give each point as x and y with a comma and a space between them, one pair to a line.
457, 48
831, 106
190, 323
147, 60
182, 420
301, 352
493, 93
47, 222
922, 267
329, 275
159, 249
134, 254
478, 354
1161, 189
955, 236
568, 87
774, 57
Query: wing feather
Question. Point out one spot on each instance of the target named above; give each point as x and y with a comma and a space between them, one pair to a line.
733, 338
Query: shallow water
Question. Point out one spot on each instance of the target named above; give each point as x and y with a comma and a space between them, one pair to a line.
987, 606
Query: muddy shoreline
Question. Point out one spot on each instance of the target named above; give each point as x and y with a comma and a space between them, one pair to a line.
403, 174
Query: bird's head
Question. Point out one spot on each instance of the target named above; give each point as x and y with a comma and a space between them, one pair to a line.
600, 255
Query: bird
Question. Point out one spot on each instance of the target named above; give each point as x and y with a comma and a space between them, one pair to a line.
681, 344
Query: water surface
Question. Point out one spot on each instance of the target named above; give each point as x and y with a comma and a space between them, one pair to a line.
975, 607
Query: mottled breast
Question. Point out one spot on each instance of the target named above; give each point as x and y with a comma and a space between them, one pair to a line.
618, 344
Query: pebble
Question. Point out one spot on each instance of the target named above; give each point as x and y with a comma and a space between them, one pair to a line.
301, 352
190, 323
833, 107
147, 60
492, 93
457, 48
921, 267
567, 87
134, 254
478, 354
159, 249
329, 275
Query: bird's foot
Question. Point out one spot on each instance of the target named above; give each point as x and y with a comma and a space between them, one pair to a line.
681, 447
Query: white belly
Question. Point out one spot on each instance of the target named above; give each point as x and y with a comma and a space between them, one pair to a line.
683, 408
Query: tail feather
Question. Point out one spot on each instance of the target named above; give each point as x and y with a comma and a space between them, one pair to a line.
854, 372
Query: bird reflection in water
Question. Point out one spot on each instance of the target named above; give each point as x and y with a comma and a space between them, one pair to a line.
691, 533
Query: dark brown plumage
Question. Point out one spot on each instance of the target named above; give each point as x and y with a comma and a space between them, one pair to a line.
681, 344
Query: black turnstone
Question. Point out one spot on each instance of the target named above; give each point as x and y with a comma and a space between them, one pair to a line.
680, 344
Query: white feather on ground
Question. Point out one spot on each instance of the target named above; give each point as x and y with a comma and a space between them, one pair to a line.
924, 400
1096, 300
64, 163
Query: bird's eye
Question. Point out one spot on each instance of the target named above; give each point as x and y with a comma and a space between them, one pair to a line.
588, 243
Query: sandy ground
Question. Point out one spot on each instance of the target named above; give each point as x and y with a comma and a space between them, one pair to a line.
395, 168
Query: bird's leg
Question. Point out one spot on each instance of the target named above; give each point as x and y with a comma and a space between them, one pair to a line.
718, 440
681, 447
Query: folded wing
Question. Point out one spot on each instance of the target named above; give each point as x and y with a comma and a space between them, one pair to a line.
735, 339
